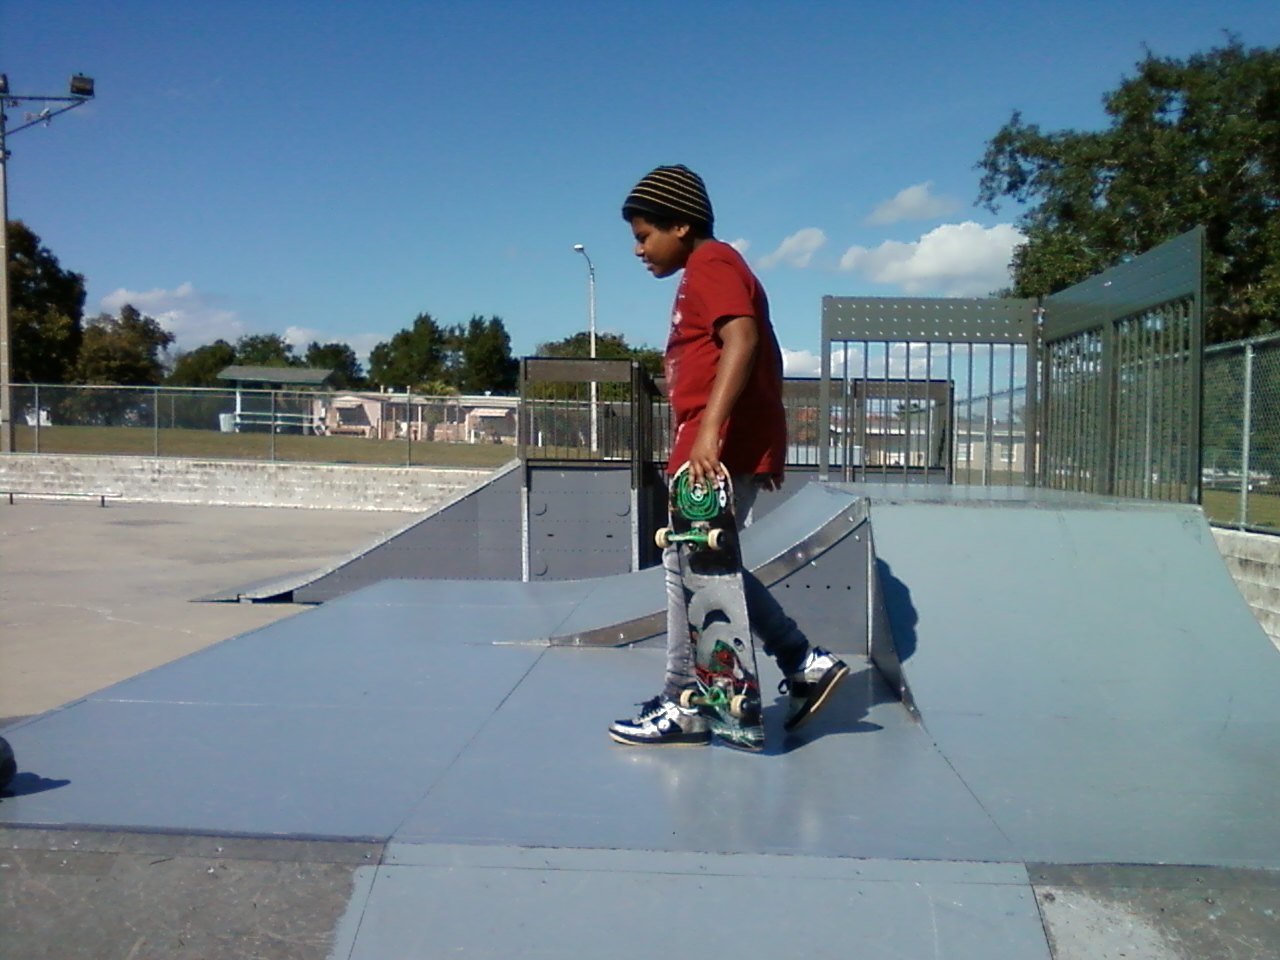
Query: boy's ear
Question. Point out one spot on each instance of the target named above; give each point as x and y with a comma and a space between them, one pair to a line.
681, 230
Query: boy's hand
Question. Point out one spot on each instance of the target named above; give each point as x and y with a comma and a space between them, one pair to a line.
704, 457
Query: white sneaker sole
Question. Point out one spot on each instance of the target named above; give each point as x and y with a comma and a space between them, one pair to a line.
820, 702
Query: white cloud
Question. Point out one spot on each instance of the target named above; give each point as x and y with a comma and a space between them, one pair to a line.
797, 250
299, 337
953, 260
800, 363
741, 245
913, 203
806, 363
192, 317
196, 318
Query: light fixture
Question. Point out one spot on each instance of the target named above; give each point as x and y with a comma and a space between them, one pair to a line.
81, 86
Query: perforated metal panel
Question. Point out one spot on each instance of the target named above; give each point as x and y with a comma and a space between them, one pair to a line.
922, 319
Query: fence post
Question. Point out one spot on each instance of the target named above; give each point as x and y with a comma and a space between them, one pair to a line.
155, 421
37, 418
1104, 481
273, 426
1246, 437
824, 406
408, 426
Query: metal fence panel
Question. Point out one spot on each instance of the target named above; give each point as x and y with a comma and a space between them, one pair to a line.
585, 410
928, 390
1121, 377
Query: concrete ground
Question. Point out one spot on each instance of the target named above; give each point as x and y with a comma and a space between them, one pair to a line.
91, 595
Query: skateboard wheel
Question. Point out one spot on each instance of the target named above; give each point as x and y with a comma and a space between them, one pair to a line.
661, 538
745, 708
715, 539
686, 699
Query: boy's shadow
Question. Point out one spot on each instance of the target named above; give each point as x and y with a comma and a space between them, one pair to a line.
875, 683
845, 712
14, 784
899, 610
26, 784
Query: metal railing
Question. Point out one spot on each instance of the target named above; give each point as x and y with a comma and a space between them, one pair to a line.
587, 410
922, 390
1120, 378
278, 425
1241, 451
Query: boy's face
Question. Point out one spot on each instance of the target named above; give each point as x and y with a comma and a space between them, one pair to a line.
662, 252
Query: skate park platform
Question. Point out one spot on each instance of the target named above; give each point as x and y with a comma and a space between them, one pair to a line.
419, 768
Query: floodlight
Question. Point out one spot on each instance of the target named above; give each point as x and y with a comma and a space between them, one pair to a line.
81, 86
579, 247
4, 83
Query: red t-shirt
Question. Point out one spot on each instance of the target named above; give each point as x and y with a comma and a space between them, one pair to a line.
718, 285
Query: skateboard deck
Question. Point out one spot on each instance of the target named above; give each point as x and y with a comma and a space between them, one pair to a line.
705, 534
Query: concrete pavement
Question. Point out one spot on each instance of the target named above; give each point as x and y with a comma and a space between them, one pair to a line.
91, 595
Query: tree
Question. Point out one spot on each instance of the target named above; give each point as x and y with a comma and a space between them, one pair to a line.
46, 307
341, 359
122, 350
412, 358
609, 346
1190, 142
265, 350
481, 355
200, 367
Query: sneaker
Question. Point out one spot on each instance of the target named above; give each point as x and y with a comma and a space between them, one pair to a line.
819, 674
663, 721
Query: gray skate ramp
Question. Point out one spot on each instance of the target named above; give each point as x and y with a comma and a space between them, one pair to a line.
476, 534
1090, 689
1091, 671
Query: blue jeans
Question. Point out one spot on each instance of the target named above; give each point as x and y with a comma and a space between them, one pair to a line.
778, 633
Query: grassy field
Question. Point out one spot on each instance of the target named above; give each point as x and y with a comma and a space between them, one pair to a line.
1224, 507
211, 445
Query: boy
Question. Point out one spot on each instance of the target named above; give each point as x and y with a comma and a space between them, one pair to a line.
724, 380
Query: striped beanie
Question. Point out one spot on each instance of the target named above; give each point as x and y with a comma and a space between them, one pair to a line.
671, 193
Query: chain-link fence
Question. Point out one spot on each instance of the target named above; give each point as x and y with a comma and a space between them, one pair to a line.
1241, 458
284, 425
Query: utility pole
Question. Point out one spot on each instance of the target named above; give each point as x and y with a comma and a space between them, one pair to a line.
81, 91
591, 326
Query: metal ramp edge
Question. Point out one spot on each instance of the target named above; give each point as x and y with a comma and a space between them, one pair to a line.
776, 557
281, 589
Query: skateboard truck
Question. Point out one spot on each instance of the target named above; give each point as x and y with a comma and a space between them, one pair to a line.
740, 705
713, 539
700, 503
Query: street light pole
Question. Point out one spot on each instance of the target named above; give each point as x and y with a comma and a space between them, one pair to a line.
6, 375
591, 313
81, 92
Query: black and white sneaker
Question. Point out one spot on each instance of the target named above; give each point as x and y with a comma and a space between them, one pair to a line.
810, 687
663, 721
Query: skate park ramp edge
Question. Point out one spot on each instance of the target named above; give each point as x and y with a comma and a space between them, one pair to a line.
492, 492
625, 608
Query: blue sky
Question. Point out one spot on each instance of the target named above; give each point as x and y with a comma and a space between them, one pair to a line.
328, 170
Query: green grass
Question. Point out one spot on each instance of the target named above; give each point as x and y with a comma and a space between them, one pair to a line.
211, 445
1223, 506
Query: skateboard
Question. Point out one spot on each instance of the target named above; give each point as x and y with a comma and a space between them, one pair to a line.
705, 534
